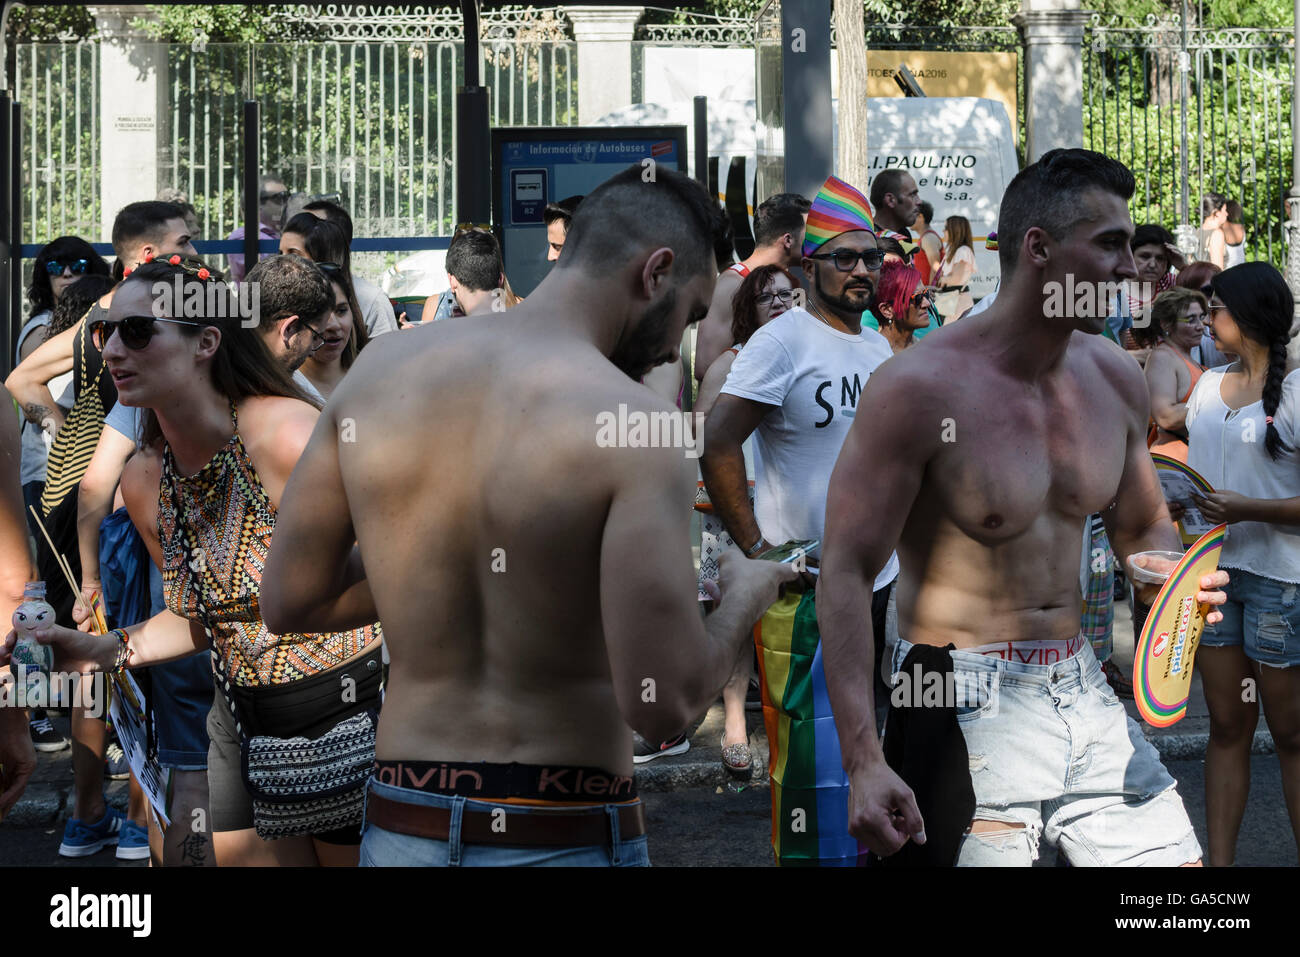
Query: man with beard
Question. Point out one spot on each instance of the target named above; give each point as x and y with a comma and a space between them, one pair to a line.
796, 384
533, 572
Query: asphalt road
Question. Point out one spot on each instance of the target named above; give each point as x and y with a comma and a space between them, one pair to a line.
701, 827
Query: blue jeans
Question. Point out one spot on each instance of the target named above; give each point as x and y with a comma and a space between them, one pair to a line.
380, 848
1262, 616
1054, 755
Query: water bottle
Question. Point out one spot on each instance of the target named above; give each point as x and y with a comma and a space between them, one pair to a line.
29, 654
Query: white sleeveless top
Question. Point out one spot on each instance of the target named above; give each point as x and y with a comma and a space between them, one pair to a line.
1227, 448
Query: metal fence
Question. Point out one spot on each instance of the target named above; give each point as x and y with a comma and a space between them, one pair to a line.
373, 121
1195, 110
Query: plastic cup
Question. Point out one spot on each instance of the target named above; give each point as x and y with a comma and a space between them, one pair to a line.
1148, 576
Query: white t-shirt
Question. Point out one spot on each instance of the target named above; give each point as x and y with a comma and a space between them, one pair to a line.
1227, 448
301, 381
813, 374
376, 308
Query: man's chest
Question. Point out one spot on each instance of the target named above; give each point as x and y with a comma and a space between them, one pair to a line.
1005, 462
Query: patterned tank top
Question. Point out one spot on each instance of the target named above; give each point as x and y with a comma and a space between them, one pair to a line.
231, 519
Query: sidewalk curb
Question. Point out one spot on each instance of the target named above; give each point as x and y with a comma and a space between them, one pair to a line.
1185, 747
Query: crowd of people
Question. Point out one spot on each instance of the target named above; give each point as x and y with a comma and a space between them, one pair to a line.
388, 611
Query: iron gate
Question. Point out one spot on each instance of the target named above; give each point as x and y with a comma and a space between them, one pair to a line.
1192, 110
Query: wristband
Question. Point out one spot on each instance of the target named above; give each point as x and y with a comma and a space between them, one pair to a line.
755, 548
123, 651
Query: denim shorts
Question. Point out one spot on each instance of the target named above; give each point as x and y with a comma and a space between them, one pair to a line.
1262, 616
1052, 748
380, 848
182, 698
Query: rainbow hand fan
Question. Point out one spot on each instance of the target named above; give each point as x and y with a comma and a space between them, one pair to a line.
1162, 661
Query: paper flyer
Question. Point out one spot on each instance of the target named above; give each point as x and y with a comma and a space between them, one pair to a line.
127, 709
1178, 482
1162, 660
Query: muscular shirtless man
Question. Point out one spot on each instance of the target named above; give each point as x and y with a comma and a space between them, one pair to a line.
535, 587
990, 444
778, 237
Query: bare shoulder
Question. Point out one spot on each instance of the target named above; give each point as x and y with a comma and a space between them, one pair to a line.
628, 432
924, 369
1101, 356
275, 429
141, 478
728, 282
274, 416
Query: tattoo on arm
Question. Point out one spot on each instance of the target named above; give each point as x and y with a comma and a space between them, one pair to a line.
37, 413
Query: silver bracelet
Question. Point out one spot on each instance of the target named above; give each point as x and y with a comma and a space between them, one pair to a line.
754, 549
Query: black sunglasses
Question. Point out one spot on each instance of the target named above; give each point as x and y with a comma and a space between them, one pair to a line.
280, 197
925, 295
846, 260
55, 267
136, 331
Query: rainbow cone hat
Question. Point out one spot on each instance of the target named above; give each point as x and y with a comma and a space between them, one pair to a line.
837, 208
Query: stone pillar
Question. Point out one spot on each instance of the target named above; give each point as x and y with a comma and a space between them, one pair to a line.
604, 37
133, 111
1053, 35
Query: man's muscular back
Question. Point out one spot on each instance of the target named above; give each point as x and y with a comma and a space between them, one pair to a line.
497, 514
992, 478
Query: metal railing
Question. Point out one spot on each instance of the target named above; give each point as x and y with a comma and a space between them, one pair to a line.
371, 121
1195, 110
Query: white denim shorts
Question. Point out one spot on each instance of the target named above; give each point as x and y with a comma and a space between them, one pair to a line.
1051, 748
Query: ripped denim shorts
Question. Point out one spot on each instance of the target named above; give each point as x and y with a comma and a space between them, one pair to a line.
1262, 615
1054, 756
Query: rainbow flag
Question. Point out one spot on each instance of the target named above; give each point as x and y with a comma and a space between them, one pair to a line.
810, 791
837, 208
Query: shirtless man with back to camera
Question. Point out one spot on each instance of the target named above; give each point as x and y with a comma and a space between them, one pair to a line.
536, 589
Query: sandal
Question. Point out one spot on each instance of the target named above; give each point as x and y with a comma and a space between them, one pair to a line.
737, 759
1122, 687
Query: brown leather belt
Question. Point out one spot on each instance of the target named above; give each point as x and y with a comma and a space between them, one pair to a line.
541, 827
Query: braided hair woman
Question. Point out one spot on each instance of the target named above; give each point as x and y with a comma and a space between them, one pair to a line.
224, 427
1243, 424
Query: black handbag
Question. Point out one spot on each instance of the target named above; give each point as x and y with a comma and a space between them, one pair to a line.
299, 785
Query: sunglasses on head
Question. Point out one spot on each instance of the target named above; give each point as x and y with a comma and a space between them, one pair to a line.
846, 260
55, 267
136, 331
